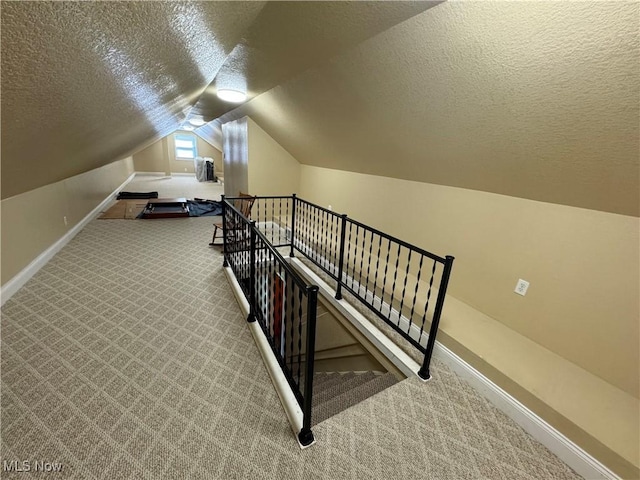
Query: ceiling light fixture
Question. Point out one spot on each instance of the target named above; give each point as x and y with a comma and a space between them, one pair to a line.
233, 96
198, 122
187, 127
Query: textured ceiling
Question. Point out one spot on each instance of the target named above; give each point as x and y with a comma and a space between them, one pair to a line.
287, 38
87, 83
539, 100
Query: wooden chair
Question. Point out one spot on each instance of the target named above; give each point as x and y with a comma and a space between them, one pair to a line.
244, 205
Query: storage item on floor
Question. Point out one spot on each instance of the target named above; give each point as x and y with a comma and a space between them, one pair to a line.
200, 169
136, 195
166, 208
210, 175
205, 169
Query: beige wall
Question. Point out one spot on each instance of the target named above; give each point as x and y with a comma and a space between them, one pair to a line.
581, 312
583, 265
160, 157
272, 170
34, 220
151, 159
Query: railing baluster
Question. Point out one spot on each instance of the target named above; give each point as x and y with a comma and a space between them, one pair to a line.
306, 229
384, 278
362, 252
327, 243
286, 224
343, 231
299, 333
375, 278
309, 240
260, 290
290, 299
269, 300
323, 244
426, 307
315, 233
355, 255
283, 308
404, 286
278, 298
293, 224
369, 264
393, 288
280, 221
252, 274
301, 225
311, 226
329, 257
273, 211
415, 295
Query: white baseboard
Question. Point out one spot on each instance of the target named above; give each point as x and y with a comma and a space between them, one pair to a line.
287, 398
570, 453
565, 449
13, 285
164, 174
152, 174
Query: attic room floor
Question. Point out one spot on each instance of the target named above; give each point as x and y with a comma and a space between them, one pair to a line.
126, 356
176, 186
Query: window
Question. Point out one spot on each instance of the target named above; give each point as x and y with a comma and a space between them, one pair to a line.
186, 147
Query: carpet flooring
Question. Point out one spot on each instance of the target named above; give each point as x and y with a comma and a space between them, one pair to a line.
176, 186
334, 392
127, 357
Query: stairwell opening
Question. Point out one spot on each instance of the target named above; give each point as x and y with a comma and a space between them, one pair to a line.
348, 368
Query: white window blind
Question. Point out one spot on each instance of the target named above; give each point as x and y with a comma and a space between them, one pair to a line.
186, 147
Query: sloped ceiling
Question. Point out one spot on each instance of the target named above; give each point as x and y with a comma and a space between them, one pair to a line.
87, 83
539, 100
287, 38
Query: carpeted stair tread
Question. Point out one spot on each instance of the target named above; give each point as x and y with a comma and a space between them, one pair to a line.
321, 378
336, 379
335, 405
343, 388
342, 385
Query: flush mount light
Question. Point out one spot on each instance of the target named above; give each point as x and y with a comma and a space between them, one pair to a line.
198, 122
187, 127
233, 96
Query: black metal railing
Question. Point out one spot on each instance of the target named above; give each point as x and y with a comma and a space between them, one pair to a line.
318, 235
274, 217
279, 299
402, 284
237, 244
405, 286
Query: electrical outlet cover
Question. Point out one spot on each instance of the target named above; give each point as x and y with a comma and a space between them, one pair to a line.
521, 287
